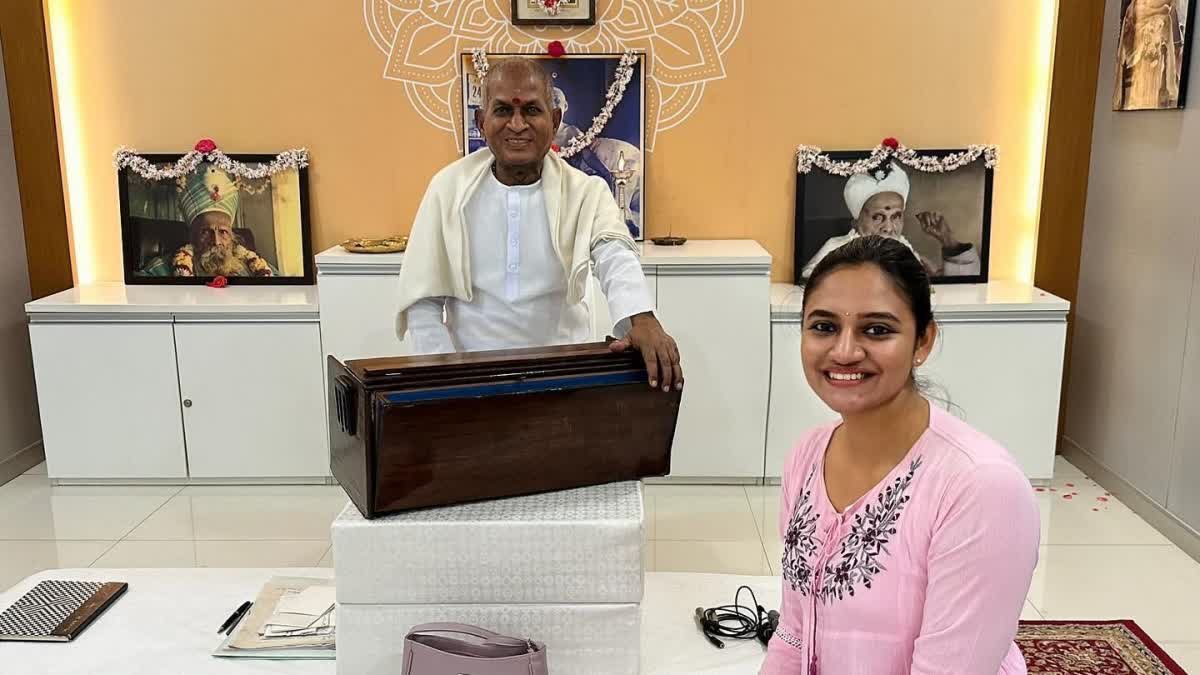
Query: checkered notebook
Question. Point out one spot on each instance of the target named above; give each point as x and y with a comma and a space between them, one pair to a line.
57, 611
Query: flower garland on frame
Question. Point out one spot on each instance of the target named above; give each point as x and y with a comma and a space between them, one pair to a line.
808, 156
550, 7
616, 92
206, 151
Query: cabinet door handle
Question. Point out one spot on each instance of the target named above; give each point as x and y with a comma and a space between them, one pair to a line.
187, 402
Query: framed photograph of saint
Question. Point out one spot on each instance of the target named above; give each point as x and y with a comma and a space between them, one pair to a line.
205, 224
554, 12
1154, 46
944, 217
580, 83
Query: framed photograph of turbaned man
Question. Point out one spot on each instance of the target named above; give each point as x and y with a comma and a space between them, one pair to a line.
936, 202
1154, 45
554, 12
189, 219
603, 130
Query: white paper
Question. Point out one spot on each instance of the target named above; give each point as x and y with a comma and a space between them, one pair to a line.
304, 613
249, 633
303, 627
312, 601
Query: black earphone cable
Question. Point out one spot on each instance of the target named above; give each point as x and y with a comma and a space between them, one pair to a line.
737, 621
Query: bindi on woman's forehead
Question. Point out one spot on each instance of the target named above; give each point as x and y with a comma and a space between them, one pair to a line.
516, 100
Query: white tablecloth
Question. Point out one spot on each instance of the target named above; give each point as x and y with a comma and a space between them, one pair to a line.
166, 623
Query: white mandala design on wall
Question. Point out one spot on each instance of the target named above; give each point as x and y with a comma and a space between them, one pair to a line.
685, 42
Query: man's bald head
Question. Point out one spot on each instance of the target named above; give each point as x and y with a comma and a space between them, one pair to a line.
517, 70
517, 118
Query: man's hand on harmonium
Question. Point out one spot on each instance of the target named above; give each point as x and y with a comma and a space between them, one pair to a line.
658, 350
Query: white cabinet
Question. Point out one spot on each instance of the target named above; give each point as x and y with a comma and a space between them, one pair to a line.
191, 383
358, 304
998, 363
253, 398
721, 323
180, 383
109, 398
1005, 378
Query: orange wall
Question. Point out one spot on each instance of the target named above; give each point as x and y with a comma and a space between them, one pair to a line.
270, 74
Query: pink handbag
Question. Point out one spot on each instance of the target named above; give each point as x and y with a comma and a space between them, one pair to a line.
459, 649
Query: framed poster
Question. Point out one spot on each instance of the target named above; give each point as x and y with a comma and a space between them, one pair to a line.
554, 12
944, 217
1154, 45
205, 224
579, 84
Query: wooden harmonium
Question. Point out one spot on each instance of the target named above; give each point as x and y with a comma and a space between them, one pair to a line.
413, 432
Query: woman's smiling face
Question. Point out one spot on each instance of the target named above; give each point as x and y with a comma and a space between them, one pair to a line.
860, 340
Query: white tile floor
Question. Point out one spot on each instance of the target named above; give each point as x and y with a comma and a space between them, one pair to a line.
1098, 560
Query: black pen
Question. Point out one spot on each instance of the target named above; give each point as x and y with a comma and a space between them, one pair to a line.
235, 617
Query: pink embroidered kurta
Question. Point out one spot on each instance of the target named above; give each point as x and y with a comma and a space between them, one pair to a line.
926, 573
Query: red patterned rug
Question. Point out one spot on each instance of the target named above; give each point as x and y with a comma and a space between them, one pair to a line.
1092, 648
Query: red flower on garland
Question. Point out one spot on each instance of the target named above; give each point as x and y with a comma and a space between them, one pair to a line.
890, 142
554, 147
556, 49
218, 282
205, 145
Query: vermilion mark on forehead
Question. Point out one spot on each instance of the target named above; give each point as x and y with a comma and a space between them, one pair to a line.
516, 100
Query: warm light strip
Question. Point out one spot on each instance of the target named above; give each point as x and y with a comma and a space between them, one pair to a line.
1039, 116
71, 142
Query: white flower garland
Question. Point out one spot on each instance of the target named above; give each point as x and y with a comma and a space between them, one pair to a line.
550, 7
808, 156
288, 160
480, 61
616, 91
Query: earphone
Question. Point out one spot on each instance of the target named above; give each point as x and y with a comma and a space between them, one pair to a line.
737, 621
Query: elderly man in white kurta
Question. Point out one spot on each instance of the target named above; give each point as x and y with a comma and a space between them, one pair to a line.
504, 239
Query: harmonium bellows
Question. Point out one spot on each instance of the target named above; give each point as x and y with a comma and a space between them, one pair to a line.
414, 432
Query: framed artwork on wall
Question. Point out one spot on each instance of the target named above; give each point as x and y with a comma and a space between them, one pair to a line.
1154, 44
554, 12
207, 223
580, 83
944, 216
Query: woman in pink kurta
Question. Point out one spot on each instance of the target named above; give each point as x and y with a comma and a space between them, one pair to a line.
909, 538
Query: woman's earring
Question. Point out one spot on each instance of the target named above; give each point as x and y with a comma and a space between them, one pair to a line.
917, 362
